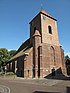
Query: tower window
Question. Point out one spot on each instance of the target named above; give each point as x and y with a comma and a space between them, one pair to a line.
34, 29
50, 29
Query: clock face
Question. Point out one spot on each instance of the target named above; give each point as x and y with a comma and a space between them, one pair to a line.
44, 17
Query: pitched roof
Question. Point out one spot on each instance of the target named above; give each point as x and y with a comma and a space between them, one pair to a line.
67, 59
24, 45
44, 13
23, 49
21, 53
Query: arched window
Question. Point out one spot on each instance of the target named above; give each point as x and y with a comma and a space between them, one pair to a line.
52, 51
50, 29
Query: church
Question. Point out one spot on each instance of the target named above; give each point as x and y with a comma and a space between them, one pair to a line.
42, 53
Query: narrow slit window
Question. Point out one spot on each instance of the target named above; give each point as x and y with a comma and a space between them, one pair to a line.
34, 29
50, 29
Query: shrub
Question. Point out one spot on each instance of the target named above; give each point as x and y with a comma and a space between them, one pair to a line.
9, 73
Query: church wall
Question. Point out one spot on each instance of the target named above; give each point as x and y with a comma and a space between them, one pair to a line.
35, 25
20, 66
28, 64
13, 67
58, 59
63, 62
45, 53
46, 37
48, 60
36, 44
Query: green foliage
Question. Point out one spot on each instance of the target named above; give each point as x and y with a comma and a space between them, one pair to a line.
9, 73
12, 53
5, 55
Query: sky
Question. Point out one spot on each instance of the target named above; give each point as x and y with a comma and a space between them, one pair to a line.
15, 16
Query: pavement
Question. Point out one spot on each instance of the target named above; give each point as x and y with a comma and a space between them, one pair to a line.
20, 85
4, 89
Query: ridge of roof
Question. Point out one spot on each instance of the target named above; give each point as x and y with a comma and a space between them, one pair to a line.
44, 13
21, 53
24, 45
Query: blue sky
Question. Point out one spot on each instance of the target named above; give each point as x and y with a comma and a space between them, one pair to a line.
15, 16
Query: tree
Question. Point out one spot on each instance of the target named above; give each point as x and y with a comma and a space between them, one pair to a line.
66, 56
4, 56
12, 53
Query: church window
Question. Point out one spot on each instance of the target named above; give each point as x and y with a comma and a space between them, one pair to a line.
50, 29
34, 29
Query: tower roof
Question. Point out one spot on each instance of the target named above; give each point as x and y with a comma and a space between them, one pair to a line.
44, 13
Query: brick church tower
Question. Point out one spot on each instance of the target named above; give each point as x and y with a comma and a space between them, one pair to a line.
48, 56
41, 55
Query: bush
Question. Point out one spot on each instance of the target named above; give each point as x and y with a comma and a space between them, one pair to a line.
9, 73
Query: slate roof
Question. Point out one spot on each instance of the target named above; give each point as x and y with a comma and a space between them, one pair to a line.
44, 13
23, 49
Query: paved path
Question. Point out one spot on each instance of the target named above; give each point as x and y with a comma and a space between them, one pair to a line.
19, 85
4, 89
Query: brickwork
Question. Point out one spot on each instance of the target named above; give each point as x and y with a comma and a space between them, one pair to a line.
40, 54
28, 65
48, 60
50, 54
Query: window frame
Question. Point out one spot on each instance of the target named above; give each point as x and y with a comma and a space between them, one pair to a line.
50, 29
